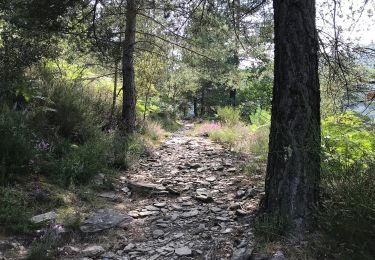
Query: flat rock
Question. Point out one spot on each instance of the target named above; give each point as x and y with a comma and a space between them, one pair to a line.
104, 219
215, 209
93, 250
224, 219
204, 198
158, 233
240, 212
152, 208
129, 247
44, 217
190, 214
160, 204
109, 195
183, 251
133, 214
211, 179
279, 255
147, 213
145, 187
243, 253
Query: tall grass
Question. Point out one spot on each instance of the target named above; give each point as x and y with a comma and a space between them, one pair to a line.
235, 135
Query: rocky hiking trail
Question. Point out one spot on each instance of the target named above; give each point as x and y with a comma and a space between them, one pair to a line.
188, 200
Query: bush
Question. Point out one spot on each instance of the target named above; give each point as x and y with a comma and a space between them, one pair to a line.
153, 130
15, 212
16, 145
348, 143
166, 120
206, 128
126, 149
348, 213
70, 110
260, 118
80, 163
228, 115
227, 136
45, 247
258, 143
348, 176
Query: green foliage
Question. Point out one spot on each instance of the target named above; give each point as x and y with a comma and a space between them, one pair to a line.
69, 218
348, 176
228, 115
45, 247
126, 149
15, 212
80, 163
166, 120
269, 228
16, 146
259, 142
256, 90
348, 143
260, 118
69, 109
226, 136
348, 212
153, 130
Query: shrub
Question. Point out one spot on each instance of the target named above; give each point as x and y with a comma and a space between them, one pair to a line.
126, 149
347, 217
227, 136
74, 112
14, 211
153, 130
348, 212
260, 118
16, 145
206, 128
348, 143
258, 143
45, 246
80, 162
228, 115
166, 120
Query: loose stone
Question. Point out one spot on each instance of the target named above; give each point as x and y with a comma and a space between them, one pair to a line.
183, 251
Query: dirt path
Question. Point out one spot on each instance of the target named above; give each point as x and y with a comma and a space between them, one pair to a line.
204, 211
186, 201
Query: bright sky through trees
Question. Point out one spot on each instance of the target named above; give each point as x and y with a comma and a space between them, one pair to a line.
354, 19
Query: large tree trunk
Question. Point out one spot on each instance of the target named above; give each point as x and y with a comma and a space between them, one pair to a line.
293, 168
129, 95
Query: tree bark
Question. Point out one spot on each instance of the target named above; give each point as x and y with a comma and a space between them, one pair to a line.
114, 96
293, 170
203, 101
195, 106
129, 94
232, 96
146, 102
